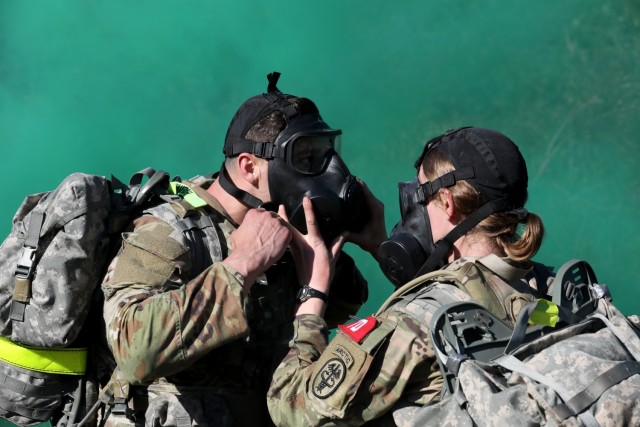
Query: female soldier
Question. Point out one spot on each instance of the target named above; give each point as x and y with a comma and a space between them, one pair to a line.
469, 199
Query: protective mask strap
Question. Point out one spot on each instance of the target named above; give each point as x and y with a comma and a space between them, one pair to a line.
428, 189
227, 185
443, 246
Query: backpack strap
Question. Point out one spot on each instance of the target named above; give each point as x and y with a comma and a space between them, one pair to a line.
590, 394
197, 227
515, 365
25, 267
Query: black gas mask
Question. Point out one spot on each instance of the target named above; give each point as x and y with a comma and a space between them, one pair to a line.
490, 162
410, 242
304, 161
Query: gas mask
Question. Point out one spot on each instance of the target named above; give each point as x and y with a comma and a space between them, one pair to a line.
410, 243
304, 161
410, 251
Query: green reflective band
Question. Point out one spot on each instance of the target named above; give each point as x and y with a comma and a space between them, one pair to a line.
66, 361
187, 194
546, 313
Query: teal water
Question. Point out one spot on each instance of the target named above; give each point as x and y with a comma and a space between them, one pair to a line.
114, 86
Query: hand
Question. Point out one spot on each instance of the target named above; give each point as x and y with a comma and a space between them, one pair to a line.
375, 231
315, 263
257, 244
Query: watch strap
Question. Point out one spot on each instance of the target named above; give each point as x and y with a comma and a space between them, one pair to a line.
307, 292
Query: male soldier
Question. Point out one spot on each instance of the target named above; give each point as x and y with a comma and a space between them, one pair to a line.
199, 348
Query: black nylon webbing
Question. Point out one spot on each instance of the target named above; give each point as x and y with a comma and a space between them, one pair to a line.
228, 186
593, 391
33, 413
443, 246
33, 233
7, 382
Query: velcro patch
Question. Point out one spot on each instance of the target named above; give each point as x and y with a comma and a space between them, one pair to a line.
358, 330
329, 378
337, 374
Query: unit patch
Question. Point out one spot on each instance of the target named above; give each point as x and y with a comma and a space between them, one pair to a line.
358, 330
329, 378
343, 354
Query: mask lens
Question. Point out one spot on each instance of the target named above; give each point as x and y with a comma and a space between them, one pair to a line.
310, 154
407, 193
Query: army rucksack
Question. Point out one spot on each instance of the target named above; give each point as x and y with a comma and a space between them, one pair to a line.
51, 265
579, 365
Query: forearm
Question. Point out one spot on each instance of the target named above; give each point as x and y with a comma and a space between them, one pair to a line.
288, 387
155, 335
352, 380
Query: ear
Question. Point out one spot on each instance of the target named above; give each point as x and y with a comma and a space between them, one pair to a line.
446, 198
249, 168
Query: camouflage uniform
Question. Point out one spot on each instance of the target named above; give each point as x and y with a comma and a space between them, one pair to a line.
393, 368
206, 349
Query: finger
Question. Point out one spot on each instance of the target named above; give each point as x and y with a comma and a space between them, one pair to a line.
282, 212
336, 245
310, 217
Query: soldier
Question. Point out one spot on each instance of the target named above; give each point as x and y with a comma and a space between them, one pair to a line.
196, 333
462, 214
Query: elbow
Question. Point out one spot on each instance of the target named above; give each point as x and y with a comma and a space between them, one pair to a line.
136, 371
281, 412
137, 362
136, 374
287, 403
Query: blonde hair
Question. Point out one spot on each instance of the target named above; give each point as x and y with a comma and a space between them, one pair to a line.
519, 243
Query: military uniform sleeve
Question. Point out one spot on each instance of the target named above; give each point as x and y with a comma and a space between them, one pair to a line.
349, 290
157, 325
352, 381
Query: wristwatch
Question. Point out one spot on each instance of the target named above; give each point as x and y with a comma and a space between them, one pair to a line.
307, 292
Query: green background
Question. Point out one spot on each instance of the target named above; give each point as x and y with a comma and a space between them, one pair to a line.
113, 86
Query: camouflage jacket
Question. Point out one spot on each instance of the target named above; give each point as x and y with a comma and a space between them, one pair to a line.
385, 363
182, 332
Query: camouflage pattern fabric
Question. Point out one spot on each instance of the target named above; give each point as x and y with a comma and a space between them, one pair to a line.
201, 338
70, 257
569, 361
350, 382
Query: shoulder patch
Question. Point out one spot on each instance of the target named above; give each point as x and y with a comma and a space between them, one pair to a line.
358, 330
329, 378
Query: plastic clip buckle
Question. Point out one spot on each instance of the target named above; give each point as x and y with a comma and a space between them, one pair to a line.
24, 268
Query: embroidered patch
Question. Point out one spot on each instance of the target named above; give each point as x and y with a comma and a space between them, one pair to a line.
343, 354
358, 330
330, 376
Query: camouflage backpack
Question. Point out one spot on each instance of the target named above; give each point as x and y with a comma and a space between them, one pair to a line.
571, 361
51, 264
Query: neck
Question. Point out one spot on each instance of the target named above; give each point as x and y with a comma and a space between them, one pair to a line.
475, 246
234, 208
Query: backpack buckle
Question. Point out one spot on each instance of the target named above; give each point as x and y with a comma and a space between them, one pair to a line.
120, 407
24, 267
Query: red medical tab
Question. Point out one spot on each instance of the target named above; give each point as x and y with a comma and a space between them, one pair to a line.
358, 330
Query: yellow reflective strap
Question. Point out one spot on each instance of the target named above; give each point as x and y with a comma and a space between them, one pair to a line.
546, 313
65, 361
187, 194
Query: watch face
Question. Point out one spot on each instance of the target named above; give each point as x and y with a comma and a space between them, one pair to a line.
307, 292
303, 294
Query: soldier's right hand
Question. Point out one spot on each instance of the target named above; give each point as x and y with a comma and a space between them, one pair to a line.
257, 244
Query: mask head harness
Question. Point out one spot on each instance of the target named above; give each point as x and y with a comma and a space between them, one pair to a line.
303, 161
490, 162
